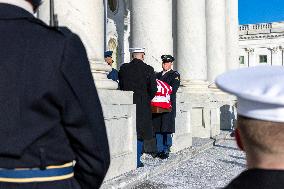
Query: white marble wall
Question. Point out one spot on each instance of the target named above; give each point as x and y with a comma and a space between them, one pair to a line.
120, 119
182, 138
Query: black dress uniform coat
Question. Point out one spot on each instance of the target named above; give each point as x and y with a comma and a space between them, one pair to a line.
50, 112
258, 179
140, 78
165, 122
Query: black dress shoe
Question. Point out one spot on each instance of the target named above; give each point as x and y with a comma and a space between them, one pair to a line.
154, 155
163, 155
141, 165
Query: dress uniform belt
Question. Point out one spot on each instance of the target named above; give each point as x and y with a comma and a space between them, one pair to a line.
51, 173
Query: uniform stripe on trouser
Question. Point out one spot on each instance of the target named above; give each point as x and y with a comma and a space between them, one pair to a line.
51, 173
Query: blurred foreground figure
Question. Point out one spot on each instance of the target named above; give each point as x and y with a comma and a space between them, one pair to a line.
50, 115
260, 124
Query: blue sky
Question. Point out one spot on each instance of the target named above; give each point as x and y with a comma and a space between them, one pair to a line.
258, 11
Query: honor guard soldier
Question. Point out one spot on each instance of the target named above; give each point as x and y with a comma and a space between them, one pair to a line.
260, 124
164, 123
113, 75
52, 132
140, 78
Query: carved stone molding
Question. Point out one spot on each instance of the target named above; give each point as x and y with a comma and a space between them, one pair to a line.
257, 37
249, 50
273, 49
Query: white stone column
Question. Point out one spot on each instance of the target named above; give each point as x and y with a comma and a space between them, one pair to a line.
250, 57
87, 20
216, 38
276, 56
191, 43
232, 25
281, 55
151, 27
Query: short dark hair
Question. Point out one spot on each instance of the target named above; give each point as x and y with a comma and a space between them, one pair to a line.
260, 136
35, 3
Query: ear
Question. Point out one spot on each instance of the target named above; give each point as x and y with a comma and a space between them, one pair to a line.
238, 139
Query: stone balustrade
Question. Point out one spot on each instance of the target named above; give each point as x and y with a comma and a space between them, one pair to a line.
263, 26
120, 119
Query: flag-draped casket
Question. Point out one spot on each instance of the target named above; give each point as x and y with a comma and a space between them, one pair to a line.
162, 100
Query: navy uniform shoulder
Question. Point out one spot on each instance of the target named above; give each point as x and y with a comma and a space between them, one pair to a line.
41, 23
150, 68
159, 73
123, 65
176, 73
64, 31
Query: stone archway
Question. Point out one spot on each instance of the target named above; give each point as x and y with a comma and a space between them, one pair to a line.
112, 46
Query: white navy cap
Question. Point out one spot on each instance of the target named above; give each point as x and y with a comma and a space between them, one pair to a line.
260, 91
137, 50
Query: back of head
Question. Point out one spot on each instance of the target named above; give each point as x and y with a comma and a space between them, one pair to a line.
35, 3
261, 137
137, 53
139, 56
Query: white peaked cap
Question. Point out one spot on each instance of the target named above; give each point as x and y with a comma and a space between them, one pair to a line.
260, 91
137, 50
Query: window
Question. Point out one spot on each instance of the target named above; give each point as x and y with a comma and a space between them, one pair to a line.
262, 59
112, 4
242, 59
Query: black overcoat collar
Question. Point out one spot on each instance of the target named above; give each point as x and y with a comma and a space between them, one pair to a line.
135, 60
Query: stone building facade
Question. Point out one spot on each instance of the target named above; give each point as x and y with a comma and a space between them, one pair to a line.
261, 44
202, 35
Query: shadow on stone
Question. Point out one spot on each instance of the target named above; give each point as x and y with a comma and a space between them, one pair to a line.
151, 185
237, 157
227, 117
233, 162
227, 147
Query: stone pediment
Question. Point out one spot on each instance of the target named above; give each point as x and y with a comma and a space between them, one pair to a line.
261, 36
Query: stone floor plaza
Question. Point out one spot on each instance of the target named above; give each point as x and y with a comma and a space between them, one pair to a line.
213, 168
203, 166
